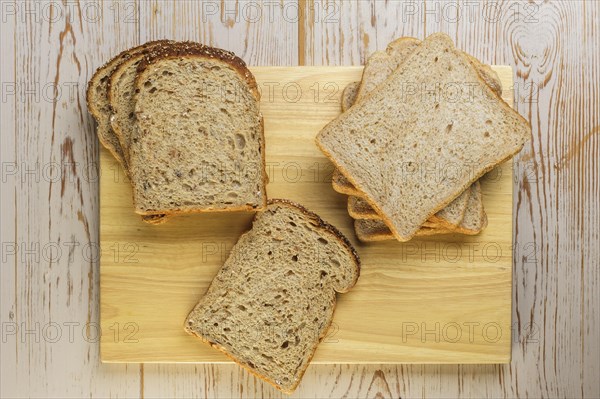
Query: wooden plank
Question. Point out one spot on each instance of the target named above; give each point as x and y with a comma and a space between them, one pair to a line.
260, 33
50, 285
441, 300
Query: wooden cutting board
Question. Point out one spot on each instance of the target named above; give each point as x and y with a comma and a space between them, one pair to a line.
443, 299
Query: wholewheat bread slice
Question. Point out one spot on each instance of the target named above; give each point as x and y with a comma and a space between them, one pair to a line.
121, 89
99, 106
199, 142
476, 220
359, 208
398, 132
376, 71
349, 95
273, 300
98, 101
374, 230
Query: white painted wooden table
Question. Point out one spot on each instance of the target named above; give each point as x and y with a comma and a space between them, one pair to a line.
49, 196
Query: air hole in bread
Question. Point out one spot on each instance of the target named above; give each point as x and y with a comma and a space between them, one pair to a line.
240, 141
486, 134
436, 59
147, 83
322, 240
295, 258
449, 128
285, 344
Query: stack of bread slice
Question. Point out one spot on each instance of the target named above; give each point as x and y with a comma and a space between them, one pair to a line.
183, 120
421, 110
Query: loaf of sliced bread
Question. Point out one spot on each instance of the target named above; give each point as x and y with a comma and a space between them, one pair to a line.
273, 300
198, 143
399, 131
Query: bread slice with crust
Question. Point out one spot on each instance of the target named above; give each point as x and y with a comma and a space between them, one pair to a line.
374, 230
274, 298
98, 103
349, 95
399, 130
199, 142
377, 69
121, 90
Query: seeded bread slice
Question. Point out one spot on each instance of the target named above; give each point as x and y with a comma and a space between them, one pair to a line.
372, 230
393, 129
273, 300
121, 91
99, 106
98, 102
199, 142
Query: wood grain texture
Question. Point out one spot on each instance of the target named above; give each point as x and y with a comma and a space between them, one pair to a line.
444, 299
556, 289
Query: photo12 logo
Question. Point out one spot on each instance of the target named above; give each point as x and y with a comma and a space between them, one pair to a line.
69, 11
67, 331
451, 332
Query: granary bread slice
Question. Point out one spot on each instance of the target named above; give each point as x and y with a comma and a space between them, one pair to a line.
121, 89
396, 132
273, 300
99, 106
98, 101
199, 143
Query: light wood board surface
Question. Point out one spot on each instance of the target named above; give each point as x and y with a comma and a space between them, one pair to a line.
445, 299
551, 45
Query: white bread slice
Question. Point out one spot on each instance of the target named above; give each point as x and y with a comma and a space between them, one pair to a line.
273, 300
396, 131
199, 141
